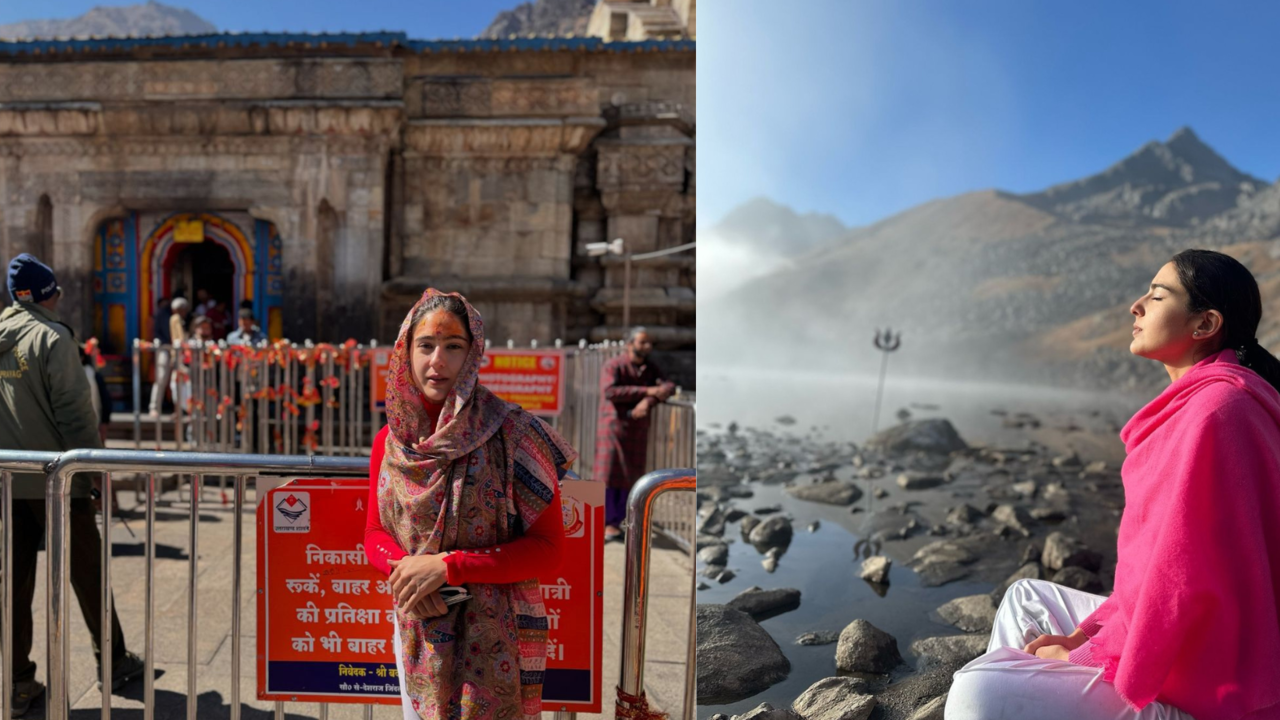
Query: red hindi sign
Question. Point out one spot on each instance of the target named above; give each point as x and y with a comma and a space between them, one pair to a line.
532, 379
325, 617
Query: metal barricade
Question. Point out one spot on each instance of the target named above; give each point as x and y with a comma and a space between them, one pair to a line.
641, 507
60, 470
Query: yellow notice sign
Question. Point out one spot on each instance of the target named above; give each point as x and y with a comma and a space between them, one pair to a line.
188, 231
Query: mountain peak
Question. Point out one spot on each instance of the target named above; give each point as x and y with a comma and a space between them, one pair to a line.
1180, 181
141, 20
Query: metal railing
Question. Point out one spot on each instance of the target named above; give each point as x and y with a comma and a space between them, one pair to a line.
59, 469
314, 398
641, 508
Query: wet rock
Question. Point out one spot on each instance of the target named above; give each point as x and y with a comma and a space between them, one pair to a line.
876, 569
919, 481
770, 564
813, 526
712, 474
944, 550
825, 637
714, 555
1048, 515
863, 647
741, 492
713, 494
948, 651
712, 571
747, 525
936, 436
726, 576
702, 541
765, 711
1079, 579
1065, 551
776, 476
1026, 488
760, 603
712, 522
772, 532
703, 586
768, 509
835, 698
734, 515
941, 562
1014, 518
1054, 492
1067, 462
974, 613
932, 710
1031, 553
831, 493
1028, 571
736, 657
965, 514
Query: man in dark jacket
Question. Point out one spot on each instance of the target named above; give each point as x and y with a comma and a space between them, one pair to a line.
45, 405
630, 385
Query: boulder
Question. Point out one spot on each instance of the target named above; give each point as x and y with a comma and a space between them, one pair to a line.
747, 525
712, 522
973, 613
835, 698
1014, 518
876, 569
1079, 579
771, 533
832, 493
1028, 571
1065, 551
932, 710
919, 481
760, 603
714, 554
964, 514
765, 711
936, 436
823, 637
736, 657
947, 651
863, 647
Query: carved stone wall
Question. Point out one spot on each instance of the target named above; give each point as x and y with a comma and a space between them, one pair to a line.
484, 172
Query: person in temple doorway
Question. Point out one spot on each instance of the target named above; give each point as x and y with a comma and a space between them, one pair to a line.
630, 386
164, 357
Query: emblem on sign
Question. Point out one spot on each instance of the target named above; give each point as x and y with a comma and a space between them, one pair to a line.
293, 513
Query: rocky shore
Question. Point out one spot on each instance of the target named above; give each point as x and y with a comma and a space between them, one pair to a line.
928, 513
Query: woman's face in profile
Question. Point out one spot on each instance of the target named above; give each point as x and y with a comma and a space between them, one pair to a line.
1162, 326
439, 349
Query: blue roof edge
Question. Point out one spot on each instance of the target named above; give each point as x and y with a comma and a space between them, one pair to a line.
348, 39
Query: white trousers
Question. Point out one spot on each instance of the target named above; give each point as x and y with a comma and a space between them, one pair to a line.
1007, 683
163, 371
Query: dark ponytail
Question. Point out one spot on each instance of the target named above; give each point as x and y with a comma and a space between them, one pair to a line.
1215, 281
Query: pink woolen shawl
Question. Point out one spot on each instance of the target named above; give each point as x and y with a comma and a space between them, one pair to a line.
1193, 619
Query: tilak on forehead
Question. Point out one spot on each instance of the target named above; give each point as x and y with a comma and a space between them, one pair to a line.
440, 323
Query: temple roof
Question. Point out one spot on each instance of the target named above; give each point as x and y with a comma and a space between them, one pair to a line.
346, 42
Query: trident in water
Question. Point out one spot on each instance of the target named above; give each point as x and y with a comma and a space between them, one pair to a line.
886, 342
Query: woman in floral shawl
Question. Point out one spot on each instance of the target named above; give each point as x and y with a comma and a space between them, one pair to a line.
464, 490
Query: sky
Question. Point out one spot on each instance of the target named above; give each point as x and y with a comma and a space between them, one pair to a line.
864, 108
421, 19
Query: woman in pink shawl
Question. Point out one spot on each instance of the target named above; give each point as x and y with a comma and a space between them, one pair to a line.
464, 498
1192, 628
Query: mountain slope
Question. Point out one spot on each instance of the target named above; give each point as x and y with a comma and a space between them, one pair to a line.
151, 18
542, 17
1179, 182
1000, 286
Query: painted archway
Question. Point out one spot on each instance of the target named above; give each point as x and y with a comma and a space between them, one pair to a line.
161, 247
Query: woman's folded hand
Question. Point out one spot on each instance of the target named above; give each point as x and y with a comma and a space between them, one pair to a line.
415, 577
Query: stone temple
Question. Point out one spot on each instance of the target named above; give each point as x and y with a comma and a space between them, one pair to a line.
327, 179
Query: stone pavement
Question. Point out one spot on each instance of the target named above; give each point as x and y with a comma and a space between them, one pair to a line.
669, 604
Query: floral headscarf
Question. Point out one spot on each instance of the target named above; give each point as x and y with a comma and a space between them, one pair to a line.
487, 471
